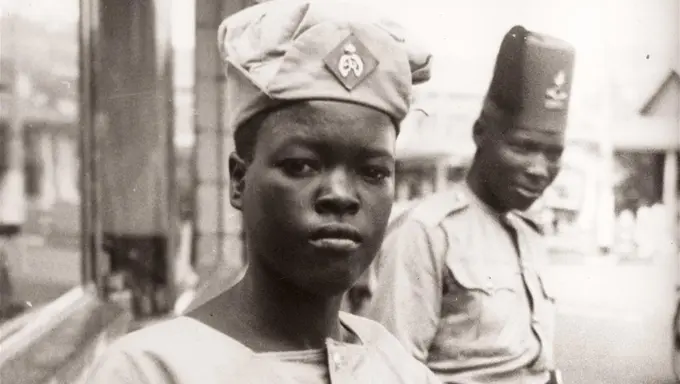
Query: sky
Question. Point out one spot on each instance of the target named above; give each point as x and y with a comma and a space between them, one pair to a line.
628, 45
623, 47
612, 37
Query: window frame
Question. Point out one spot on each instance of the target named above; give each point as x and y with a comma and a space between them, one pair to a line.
18, 334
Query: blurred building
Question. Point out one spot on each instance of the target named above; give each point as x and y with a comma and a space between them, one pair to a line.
86, 128
646, 155
435, 149
435, 144
629, 156
45, 116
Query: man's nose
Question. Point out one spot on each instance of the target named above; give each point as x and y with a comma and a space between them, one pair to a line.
338, 194
539, 167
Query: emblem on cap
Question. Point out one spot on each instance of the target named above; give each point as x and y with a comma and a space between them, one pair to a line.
556, 96
350, 62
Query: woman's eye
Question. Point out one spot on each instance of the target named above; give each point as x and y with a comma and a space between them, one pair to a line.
376, 173
554, 155
298, 167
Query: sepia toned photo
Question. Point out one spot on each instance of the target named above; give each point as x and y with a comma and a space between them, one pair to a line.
339, 191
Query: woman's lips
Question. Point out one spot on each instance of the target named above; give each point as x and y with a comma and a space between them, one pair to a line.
335, 244
336, 237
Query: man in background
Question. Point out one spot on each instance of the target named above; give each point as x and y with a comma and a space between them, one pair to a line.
460, 278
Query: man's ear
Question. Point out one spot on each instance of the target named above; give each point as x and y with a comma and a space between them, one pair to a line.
479, 133
237, 180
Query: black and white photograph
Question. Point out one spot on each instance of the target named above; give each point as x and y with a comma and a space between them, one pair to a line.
339, 191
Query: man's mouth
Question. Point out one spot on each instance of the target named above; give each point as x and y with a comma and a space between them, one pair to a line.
528, 192
336, 237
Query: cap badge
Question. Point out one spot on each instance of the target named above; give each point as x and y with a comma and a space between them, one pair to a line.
556, 96
351, 62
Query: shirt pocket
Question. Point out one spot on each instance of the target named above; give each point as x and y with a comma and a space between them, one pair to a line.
479, 297
477, 275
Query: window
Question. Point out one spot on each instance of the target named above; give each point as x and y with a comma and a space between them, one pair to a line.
416, 179
40, 254
640, 178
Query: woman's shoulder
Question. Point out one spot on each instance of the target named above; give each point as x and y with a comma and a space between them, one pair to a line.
180, 350
390, 352
368, 331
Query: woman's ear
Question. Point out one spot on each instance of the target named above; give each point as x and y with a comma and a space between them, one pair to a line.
237, 180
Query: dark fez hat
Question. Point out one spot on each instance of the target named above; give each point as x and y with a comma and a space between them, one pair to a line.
531, 84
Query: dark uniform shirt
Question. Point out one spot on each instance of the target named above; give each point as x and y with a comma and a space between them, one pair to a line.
460, 286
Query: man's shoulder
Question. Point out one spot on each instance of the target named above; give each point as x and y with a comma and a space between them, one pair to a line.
432, 210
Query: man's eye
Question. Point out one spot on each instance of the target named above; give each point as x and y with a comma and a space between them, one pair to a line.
376, 173
298, 167
521, 147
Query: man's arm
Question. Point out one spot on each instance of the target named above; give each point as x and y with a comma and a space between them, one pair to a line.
407, 300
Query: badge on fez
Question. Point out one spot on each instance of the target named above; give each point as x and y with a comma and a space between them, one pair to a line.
556, 96
351, 62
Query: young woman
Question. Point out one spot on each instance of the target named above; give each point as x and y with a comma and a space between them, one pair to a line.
316, 91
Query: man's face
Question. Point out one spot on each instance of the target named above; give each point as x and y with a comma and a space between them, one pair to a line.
318, 193
520, 163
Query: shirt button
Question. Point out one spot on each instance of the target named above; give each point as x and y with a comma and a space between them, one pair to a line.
337, 360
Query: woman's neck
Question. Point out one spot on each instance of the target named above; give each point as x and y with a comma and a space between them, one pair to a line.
280, 315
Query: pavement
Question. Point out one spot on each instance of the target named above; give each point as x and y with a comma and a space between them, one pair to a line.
49, 264
44, 271
608, 350
614, 322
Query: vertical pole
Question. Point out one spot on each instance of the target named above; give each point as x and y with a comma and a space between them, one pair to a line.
670, 197
87, 24
606, 216
209, 84
218, 246
126, 102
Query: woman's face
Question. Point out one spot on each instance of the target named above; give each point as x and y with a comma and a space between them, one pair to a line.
318, 193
